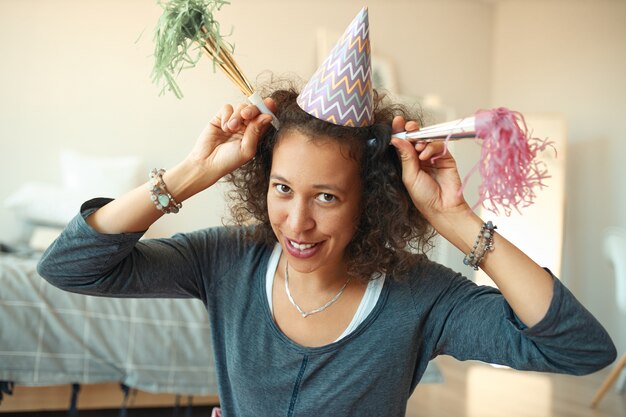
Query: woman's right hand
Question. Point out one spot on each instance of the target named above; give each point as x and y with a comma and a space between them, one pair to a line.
229, 140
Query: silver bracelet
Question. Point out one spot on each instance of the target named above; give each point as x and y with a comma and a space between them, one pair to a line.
482, 245
159, 195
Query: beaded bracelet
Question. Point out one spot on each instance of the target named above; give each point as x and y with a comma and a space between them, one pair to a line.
482, 245
159, 195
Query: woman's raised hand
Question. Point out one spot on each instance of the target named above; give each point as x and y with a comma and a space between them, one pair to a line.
434, 184
230, 139
227, 142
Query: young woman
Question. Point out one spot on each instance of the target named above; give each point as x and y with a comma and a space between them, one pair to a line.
321, 300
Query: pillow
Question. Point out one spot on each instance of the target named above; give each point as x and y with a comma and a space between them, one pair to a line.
42, 203
83, 177
99, 176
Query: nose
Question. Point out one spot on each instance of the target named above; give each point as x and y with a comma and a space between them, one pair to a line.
300, 216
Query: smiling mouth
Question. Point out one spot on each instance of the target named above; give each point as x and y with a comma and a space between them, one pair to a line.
301, 246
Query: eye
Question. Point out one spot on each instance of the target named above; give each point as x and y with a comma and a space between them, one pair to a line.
326, 198
282, 188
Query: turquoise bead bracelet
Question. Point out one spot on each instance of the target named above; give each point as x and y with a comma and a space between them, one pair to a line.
159, 195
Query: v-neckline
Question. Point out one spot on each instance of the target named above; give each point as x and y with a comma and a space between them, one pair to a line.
270, 268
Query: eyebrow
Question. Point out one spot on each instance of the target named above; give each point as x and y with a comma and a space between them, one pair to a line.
330, 187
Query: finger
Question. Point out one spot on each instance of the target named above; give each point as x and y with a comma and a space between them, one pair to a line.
408, 157
271, 104
397, 125
216, 121
420, 146
251, 112
235, 121
411, 126
221, 116
225, 115
253, 133
432, 149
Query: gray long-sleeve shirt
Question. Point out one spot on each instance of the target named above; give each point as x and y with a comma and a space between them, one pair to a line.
372, 371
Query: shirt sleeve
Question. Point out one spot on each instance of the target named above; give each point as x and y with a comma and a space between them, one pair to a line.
84, 261
468, 321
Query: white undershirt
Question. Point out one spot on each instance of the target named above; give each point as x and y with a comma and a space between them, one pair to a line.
369, 300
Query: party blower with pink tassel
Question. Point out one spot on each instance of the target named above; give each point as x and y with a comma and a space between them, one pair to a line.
508, 165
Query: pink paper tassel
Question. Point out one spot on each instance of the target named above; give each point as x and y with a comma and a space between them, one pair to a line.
507, 164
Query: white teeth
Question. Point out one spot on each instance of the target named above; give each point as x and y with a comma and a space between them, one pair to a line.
303, 246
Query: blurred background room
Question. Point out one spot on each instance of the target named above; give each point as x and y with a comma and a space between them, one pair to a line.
80, 116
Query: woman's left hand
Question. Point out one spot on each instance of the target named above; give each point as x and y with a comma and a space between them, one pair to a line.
435, 188
434, 185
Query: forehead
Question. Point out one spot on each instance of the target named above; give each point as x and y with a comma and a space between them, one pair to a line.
316, 160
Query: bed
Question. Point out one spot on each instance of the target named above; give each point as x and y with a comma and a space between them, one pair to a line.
52, 337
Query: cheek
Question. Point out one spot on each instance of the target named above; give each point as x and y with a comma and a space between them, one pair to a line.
275, 210
271, 209
351, 220
342, 224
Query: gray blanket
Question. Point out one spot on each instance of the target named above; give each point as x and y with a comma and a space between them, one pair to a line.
49, 336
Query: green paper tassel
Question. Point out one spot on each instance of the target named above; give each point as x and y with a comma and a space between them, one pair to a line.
180, 35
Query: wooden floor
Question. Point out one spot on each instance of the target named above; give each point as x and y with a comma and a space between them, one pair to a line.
473, 389
91, 397
470, 389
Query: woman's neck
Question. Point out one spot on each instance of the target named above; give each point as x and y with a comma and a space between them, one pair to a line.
321, 280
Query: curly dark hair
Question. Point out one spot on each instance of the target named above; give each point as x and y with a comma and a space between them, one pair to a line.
391, 236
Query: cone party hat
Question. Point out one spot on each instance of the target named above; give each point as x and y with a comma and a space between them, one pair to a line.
340, 91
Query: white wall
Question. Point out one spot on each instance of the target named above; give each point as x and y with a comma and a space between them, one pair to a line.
570, 57
76, 74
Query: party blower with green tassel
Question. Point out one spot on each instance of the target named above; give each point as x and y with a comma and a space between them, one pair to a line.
185, 31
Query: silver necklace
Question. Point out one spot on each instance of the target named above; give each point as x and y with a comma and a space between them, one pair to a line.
305, 314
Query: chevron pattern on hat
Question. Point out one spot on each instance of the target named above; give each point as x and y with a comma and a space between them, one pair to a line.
340, 91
